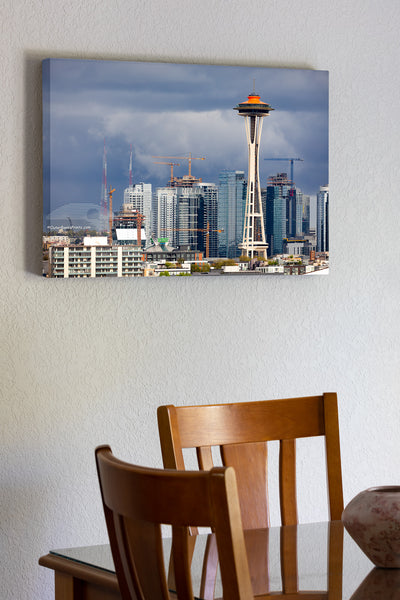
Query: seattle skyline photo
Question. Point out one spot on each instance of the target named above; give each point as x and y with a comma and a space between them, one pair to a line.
115, 125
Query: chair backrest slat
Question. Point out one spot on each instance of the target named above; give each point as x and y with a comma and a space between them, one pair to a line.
287, 482
250, 464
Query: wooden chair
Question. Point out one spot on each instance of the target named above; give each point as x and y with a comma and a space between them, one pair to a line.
137, 500
242, 431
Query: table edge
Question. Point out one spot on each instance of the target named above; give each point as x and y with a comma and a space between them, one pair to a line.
80, 571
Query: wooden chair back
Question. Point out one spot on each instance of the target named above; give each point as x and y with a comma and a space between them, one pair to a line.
138, 500
242, 431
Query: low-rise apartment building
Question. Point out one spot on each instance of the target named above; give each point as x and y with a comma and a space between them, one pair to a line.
95, 261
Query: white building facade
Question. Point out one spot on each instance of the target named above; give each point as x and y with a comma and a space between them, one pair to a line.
139, 197
95, 261
167, 214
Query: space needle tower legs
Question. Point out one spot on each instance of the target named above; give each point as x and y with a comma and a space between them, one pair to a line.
254, 242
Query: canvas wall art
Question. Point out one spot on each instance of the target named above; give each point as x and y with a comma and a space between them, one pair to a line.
165, 170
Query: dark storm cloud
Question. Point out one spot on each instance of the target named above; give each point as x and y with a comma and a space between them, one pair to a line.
164, 86
171, 109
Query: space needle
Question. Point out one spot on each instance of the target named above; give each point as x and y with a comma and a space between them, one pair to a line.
254, 242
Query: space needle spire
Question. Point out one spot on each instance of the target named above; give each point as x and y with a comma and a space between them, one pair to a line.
254, 243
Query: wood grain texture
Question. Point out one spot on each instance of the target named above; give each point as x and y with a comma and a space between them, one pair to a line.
138, 500
242, 431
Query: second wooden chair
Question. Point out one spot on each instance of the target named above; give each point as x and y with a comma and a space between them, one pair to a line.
137, 500
242, 431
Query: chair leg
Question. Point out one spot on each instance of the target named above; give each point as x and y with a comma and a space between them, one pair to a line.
210, 567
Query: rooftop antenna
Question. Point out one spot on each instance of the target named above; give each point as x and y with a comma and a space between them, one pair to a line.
130, 168
104, 199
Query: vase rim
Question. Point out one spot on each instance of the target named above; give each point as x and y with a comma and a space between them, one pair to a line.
384, 489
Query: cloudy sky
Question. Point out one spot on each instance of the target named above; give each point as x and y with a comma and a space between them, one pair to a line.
170, 110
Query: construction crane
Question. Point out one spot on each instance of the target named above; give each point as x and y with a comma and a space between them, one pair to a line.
207, 231
188, 158
139, 220
110, 215
172, 165
70, 231
291, 160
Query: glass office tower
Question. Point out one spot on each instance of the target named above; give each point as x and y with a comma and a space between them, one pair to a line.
323, 219
190, 218
231, 206
276, 218
209, 195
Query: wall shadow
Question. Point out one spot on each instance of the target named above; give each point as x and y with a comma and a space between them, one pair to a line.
32, 163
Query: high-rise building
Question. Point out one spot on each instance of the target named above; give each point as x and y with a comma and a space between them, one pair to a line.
190, 218
231, 206
154, 216
299, 214
294, 212
306, 214
297, 199
167, 214
323, 219
139, 197
197, 217
278, 188
209, 194
254, 242
291, 212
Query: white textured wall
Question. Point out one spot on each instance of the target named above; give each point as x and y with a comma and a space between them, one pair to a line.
87, 362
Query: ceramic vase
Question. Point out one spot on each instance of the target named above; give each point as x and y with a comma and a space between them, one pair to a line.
372, 519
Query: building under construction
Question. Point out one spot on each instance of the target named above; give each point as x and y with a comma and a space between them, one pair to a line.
128, 227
